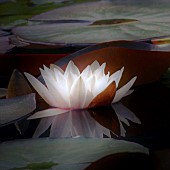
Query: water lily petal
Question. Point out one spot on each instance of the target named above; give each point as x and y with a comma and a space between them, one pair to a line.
105, 97
99, 73
49, 72
71, 67
123, 90
87, 72
100, 85
116, 76
78, 93
54, 66
94, 66
47, 113
54, 89
88, 98
41, 89
129, 92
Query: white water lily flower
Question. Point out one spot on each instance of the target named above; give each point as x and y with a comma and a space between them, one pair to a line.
71, 90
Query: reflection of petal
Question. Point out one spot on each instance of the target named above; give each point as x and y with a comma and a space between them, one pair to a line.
61, 126
47, 112
123, 90
72, 124
43, 126
124, 114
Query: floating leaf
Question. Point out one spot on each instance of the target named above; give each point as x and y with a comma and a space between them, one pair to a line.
97, 22
15, 108
63, 152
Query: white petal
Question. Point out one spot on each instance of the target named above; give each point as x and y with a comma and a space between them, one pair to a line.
129, 92
78, 93
70, 80
123, 90
53, 67
41, 89
100, 85
71, 67
99, 73
58, 94
94, 66
86, 72
116, 76
47, 113
88, 99
62, 88
48, 72
90, 83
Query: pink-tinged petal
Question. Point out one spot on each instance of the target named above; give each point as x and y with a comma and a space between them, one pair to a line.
41, 89
94, 66
55, 67
47, 113
43, 126
123, 90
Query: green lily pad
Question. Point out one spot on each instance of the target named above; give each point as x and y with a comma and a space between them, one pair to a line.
61, 152
96, 22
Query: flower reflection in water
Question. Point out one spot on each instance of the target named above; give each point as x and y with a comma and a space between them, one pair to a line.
87, 123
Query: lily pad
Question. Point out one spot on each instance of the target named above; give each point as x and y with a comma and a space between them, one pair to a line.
103, 21
16, 108
62, 152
